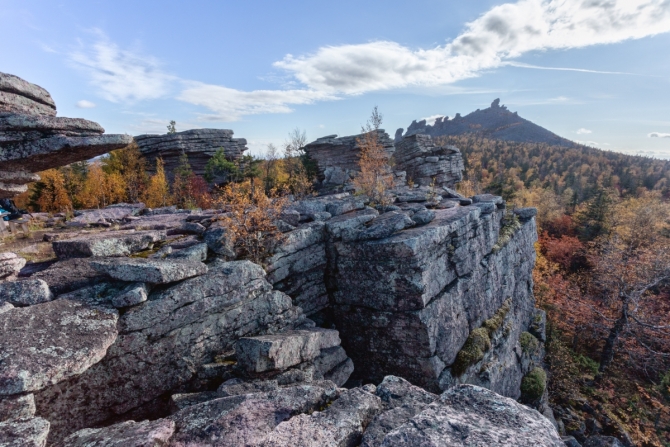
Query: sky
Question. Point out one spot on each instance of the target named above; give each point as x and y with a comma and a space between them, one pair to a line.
593, 71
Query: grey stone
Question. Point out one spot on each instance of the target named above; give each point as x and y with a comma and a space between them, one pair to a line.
15, 407
486, 207
5, 307
329, 358
132, 295
24, 433
196, 252
47, 343
423, 217
10, 264
110, 214
468, 415
427, 163
162, 252
341, 373
182, 400
281, 351
525, 213
383, 226
340, 425
155, 271
219, 241
26, 292
113, 243
570, 441
126, 434
451, 193
19, 96
602, 441
291, 217
70, 274
321, 215
235, 388
346, 222
483, 198
344, 206
192, 228
247, 419
169, 222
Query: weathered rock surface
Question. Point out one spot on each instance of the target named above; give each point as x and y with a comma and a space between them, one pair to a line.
155, 271
24, 433
340, 425
196, 252
20, 406
133, 294
125, 434
602, 441
198, 144
33, 139
47, 343
337, 158
10, 264
70, 274
111, 243
163, 341
426, 164
26, 292
112, 214
281, 351
472, 416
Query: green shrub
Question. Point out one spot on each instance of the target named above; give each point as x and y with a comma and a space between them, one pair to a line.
587, 364
473, 350
495, 322
533, 385
510, 225
529, 344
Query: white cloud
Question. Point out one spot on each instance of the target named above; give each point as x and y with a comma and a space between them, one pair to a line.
504, 32
583, 131
84, 104
121, 75
230, 105
659, 135
498, 37
431, 119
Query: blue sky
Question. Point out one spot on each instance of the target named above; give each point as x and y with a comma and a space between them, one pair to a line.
263, 68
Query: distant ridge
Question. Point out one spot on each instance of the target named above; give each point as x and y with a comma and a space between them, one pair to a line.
495, 123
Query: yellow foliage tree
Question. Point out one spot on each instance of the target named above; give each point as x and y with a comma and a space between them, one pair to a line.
102, 189
375, 177
53, 196
157, 193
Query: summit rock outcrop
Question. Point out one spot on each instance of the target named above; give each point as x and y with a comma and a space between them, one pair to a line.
33, 138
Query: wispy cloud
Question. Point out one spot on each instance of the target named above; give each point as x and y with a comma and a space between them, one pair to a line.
581, 70
495, 39
583, 131
658, 135
121, 75
84, 104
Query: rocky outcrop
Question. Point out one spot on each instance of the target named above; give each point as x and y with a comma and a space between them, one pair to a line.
425, 163
33, 139
337, 158
113, 243
198, 144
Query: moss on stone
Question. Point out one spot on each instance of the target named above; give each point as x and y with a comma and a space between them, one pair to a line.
495, 322
533, 385
473, 350
529, 343
510, 225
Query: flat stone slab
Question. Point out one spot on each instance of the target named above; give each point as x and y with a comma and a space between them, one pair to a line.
281, 351
21, 406
70, 274
24, 433
155, 271
126, 434
115, 213
47, 343
10, 264
25, 293
112, 243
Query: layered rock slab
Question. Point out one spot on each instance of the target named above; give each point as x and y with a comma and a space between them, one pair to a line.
163, 341
109, 243
24, 433
155, 271
126, 434
47, 343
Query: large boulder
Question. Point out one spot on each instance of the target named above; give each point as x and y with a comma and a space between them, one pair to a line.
125, 434
111, 243
26, 292
154, 271
10, 264
24, 433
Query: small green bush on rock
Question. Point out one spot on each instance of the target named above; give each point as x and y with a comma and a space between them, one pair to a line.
533, 385
529, 344
473, 350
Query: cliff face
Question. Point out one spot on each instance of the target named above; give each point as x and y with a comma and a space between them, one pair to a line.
495, 122
198, 144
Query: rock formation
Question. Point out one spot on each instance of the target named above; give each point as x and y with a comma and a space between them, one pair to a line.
198, 144
495, 122
33, 139
425, 163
